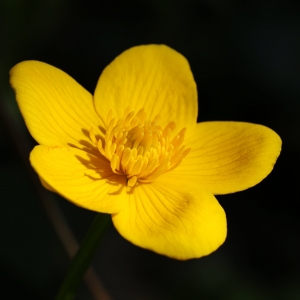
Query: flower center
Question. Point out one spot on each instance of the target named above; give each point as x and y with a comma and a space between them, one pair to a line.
139, 148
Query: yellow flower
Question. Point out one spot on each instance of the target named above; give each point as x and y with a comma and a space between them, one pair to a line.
134, 149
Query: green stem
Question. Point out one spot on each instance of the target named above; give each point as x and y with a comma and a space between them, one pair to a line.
83, 257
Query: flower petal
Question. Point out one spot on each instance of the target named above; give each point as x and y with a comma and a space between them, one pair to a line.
153, 77
179, 221
227, 157
82, 178
57, 110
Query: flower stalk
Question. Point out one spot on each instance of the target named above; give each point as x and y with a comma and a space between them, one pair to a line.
83, 257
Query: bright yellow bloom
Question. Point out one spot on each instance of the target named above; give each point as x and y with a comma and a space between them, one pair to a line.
135, 151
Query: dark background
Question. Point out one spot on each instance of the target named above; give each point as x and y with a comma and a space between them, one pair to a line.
245, 56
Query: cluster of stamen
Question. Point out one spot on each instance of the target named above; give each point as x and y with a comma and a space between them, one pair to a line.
139, 148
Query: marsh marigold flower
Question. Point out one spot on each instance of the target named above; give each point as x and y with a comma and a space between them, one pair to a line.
135, 150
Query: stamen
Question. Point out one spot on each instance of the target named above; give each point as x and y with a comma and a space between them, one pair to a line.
126, 112
132, 181
109, 117
139, 138
100, 147
128, 119
92, 136
140, 148
126, 156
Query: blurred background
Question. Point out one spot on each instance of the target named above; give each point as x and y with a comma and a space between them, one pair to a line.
245, 56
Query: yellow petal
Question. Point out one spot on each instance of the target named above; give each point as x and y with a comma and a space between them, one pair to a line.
82, 178
57, 110
181, 222
154, 77
227, 157
46, 185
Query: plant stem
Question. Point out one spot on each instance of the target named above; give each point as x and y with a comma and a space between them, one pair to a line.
83, 257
